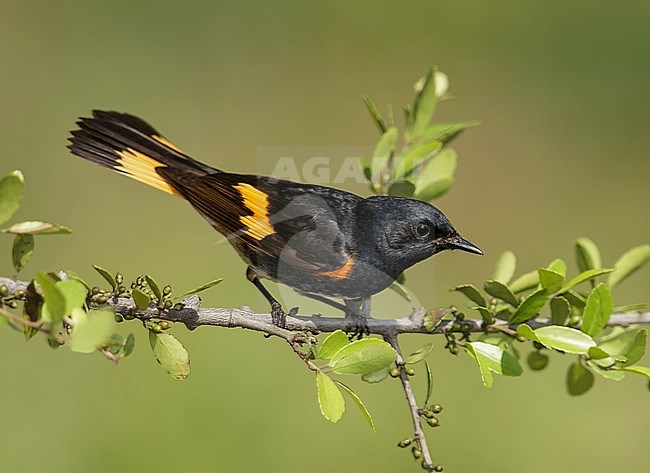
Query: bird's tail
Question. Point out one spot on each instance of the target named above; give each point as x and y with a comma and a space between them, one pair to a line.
131, 146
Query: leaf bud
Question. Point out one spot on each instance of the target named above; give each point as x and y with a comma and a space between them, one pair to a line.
119, 279
394, 373
436, 408
164, 324
4, 290
405, 443
417, 453
168, 304
410, 371
167, 290
433, 422
437, 468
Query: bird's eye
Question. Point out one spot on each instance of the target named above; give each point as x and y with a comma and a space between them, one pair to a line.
423, 230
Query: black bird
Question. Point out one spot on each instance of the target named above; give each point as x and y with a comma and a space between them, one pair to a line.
321, 241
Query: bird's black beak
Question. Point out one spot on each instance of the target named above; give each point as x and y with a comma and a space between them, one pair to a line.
459, 243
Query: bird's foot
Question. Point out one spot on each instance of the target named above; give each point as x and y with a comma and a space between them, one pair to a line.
279, 316
360, 327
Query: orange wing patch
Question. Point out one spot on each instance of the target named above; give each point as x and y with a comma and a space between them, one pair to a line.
341, 273
259, 225
143, 168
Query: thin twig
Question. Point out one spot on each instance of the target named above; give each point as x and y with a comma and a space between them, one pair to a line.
420, 438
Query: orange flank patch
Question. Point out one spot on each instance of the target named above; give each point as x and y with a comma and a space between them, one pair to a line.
342, 272
142, 168
259, 225
163, 140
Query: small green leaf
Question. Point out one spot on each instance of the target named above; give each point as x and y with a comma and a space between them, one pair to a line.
420, 354
365, 167
424, 105
171, 354
433, 318
141, 299
36, 228
437, 176
486, 315
54, 300
12, 189
106, 275
332, 344
374, 113
529, 308
635, 350
384, 151
642, 370
402, 189
153, 285
575, 299
525, 282
583, 277
377, 376
537, 361
566, 339
611, 374
201, 288
470, 291
330, 399
445, 131
359, 404
414, 156
429, 383
559, 266
492, 358
627, 342
500, 291
74, 294
550, 280
587, 254
597, 311
90, 331
22, 252
631, 261
560, 310
505, 267
129, 345
363, 357
579, 379
401, 290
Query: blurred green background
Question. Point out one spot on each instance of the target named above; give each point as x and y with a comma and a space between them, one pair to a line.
562, 91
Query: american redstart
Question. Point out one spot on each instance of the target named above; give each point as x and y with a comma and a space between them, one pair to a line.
321, 241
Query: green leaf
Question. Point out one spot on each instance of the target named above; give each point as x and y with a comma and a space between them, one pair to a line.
597, 311
429, 383
141, 299
550, 280
631, 261
566, 339
635, 350
537, 361
90, 331
437, 176
433, 318
500, 291
332, 344
377, 376
359, 404
106, 275
525, 282
505, 267
12, 189
330, 399
74, 294
470, 291
401, 290
363, 357
420, 354
129, 345
365, 167
587, 254
611, 374
579, 379
627, 342
54, 301
445, 131
486, 315
171, 354
36, 228
22, 252
201, 288
642, 370
374, 113
424, 105
384, 151
583, 277
415, 156
402, 189
154, 286
575, 299
530, 306
491, 358
560, 310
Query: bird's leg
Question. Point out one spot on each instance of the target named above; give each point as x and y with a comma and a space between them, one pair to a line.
278, 316
358, 310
